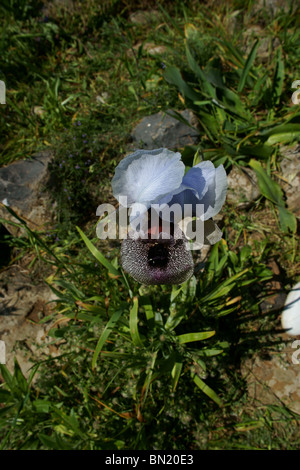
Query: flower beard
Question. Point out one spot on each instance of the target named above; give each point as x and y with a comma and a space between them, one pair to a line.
161, 260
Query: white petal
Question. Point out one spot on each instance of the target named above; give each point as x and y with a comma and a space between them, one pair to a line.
148, 175
215, 196
290, 319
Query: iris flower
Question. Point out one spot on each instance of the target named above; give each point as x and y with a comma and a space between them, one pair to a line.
148, 178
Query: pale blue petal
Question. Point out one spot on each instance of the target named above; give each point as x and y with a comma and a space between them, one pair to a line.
194, 185
215, 196
198, 178
148, 175
203, 184
188, 201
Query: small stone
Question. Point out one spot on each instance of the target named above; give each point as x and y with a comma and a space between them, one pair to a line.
243, 187
154, 49
143, 17
274, 380
38, 110
103, 98
162, 130
21, 185
22, 302
290, 167
148, 47
273, 6
265, 46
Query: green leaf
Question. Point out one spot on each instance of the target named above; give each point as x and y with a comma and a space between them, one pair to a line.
170, 20
189, 337
69, 287
175, 374
96, 309
150, 375
42, 406
208, 88
5, 396
272, 191
234, 51
224, 288
232, 103
283, 138
133, 323
260, 151
290, 127
202, 103
269, 188
55, 442
105, 334
70, 421
210, 352
8, 378
3, 412
287, 220
207, 390
247, 67
278, 79
173, 76
145, 302
96, 253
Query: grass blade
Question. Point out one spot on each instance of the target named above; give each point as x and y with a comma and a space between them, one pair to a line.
209, 89
133, 323
207, 390
105, 334
269, 188
175, 374
96, 253
247, 67
189, 337
278, 78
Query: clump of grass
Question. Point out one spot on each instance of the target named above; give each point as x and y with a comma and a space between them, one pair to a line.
77, 175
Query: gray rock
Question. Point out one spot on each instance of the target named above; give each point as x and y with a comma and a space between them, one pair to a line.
148, 47
162, 130
242, 187
290, 167
266, 44
22, 305
273, 6
144, 17
275, 380
21, 188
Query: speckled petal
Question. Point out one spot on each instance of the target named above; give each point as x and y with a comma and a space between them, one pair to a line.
158, 261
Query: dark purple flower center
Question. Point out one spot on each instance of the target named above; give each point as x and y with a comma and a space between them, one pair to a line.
158, 261
158, 256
